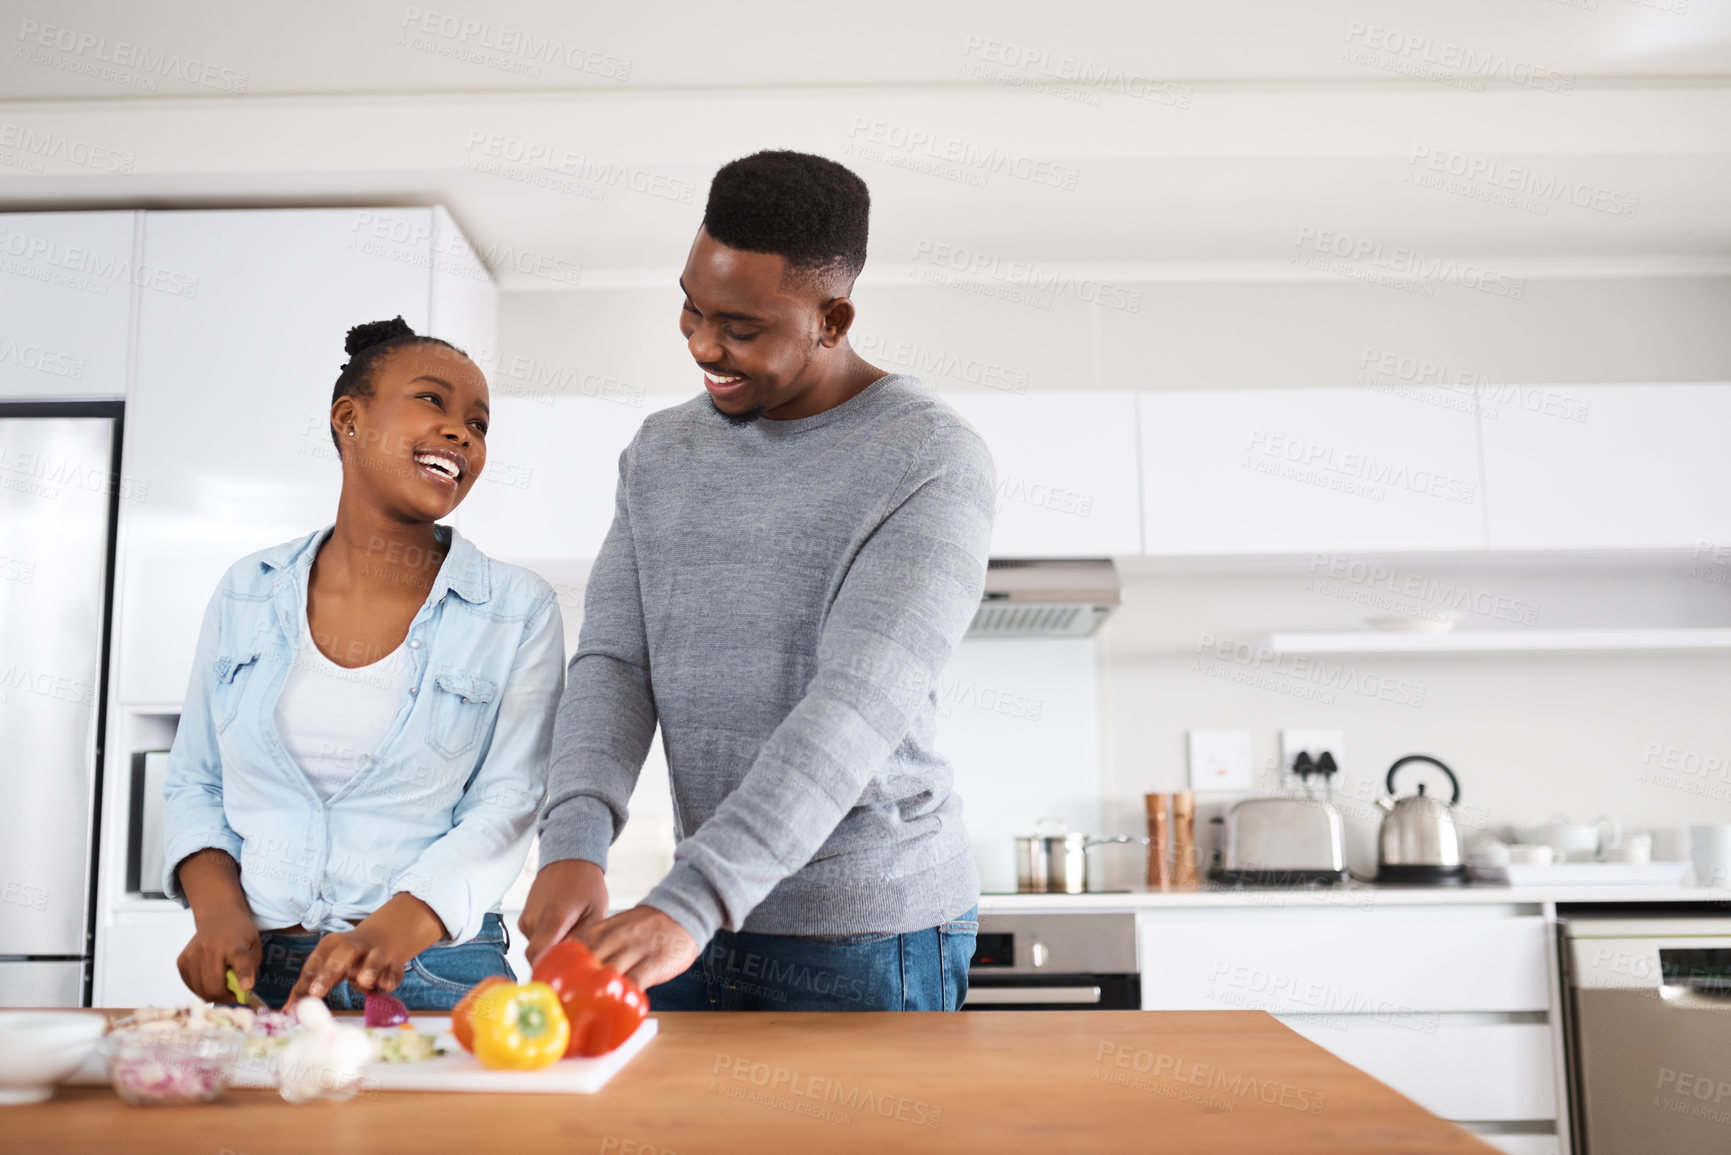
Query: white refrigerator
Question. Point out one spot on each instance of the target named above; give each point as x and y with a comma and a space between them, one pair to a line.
59, 483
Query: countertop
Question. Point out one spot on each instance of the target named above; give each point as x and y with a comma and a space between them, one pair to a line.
1191, 1081
1356, 895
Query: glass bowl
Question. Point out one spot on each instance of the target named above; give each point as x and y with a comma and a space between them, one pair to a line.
154, 1068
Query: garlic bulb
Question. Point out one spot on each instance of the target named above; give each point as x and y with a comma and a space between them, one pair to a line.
324, 1061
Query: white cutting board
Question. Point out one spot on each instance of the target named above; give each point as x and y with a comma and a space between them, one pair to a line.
456, 1070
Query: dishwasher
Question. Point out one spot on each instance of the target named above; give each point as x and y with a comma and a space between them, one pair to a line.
1649, 1013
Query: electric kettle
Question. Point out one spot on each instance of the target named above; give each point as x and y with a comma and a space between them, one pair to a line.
1418, 842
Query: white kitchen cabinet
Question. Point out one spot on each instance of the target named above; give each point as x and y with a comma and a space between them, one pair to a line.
1484, 1072
1406, 968
1261, 471
228, 447
552, 473
1066, 464
66, 286
1608, 466
1448, 1004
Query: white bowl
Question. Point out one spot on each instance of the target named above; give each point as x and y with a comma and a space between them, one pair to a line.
40, 1048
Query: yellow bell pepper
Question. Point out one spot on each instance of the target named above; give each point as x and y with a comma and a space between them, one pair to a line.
519, 1027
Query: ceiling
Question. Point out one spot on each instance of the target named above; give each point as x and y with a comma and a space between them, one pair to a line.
1146, 140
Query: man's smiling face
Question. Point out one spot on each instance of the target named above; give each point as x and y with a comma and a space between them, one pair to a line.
751, 328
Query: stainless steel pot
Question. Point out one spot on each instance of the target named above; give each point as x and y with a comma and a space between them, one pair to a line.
1056, 861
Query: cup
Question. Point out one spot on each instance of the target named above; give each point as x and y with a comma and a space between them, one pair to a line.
1710, 851
1491, 852
1670, 844
1635, 848
1531, 854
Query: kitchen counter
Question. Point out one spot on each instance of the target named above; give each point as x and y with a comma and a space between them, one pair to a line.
1191, 1081
1353, 895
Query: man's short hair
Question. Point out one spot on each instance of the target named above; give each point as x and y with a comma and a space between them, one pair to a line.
807, 209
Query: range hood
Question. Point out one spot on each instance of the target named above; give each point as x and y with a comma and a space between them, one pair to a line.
1045, 599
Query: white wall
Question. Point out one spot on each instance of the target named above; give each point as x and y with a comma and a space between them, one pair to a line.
1530, 735
1183, 336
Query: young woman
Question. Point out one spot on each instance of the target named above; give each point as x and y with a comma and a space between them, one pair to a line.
364, 742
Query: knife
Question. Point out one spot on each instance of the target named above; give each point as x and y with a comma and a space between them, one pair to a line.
245, 998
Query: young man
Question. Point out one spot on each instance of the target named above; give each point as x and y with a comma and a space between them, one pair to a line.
793, 557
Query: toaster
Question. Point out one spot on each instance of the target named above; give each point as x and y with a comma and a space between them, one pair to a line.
1282, 842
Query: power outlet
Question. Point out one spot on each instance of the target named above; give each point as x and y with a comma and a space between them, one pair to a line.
1220, 760
1312, 741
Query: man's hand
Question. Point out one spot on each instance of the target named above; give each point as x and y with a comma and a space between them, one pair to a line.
372, 955
567, 896
644, 944
224, 939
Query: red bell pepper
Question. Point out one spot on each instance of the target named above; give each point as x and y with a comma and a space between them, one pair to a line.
603, 1006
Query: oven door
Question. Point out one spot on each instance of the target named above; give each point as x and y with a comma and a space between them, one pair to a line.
1062, 961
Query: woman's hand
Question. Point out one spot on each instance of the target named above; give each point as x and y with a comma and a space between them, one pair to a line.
224, 939
566, 896
371, 956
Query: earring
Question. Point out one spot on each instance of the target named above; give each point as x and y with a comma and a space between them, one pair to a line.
351, 433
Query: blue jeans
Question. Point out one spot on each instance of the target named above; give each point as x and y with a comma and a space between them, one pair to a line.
924, 970
432, 981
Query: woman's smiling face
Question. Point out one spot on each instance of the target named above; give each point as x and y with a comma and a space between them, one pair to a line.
416, 443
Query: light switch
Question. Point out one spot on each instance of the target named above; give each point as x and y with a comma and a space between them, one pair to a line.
1220, 760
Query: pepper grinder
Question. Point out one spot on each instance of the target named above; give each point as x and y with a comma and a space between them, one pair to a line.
1159, 874
1184, 866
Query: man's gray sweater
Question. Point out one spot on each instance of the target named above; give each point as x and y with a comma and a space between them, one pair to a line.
782, 596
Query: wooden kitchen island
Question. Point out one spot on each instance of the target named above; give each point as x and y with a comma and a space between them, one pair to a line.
1110, 1081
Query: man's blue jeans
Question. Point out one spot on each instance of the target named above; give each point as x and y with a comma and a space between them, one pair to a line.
924, 970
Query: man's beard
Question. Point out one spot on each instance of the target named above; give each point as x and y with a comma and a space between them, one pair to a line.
745, 418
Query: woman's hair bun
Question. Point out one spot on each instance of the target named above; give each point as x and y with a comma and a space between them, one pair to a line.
376, 333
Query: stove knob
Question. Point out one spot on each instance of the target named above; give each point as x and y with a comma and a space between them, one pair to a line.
1038, 954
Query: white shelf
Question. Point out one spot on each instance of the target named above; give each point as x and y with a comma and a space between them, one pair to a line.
1498, 641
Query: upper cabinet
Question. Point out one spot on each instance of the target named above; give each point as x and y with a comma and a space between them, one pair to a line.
66, 286
1302, 470
228, 445
552, 472
1608, 466
1066, 467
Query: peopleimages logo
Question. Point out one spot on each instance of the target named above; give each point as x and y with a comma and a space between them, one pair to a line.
48, 260
1527, 188
958, 261
1362, 252
942, 149
1446, 62
1266, 451
99, 56
501, 46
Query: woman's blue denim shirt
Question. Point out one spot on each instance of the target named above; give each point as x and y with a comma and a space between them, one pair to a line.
444, 808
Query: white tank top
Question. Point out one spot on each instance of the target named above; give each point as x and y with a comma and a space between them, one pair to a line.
331, 719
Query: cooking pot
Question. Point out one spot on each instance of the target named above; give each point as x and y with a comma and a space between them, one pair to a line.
1054, 860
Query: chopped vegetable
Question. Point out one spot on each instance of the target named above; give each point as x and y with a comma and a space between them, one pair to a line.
519, 1027
461, 1028
171, 1065
603, 1006
385, 1010
404, 1045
